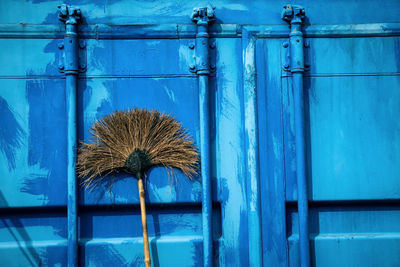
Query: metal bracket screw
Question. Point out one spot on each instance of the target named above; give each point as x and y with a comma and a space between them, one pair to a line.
82, 44
285, 44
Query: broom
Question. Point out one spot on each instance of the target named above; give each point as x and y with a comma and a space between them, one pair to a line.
133, 141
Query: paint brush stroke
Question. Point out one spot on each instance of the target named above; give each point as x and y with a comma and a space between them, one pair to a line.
11, 133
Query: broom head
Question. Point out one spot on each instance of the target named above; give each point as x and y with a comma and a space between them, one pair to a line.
133, 141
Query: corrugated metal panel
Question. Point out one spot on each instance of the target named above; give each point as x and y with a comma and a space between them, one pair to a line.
138, 54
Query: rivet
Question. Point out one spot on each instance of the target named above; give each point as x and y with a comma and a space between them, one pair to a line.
82, 44
286, 66
60, 45
61, 67
285, 44
212, 66
192, 66
212, 45
191, 45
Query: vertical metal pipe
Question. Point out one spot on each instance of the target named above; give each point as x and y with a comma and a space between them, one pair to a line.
71, 16
294, 15
202, 16
251, 140
205, 169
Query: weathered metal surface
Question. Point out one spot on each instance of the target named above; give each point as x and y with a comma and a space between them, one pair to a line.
138, 54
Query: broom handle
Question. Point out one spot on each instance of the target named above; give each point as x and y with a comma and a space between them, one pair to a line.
144, 224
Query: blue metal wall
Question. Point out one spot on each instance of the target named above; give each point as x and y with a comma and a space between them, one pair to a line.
138, 54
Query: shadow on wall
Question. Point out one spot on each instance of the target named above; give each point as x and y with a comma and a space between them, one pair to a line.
15, 226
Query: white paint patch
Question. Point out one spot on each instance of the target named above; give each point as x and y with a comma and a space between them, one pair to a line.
229, 141
185, 56
170, 94
96, 67
99, 95
163, 194
250, 123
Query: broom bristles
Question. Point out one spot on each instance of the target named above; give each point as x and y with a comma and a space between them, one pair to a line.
117, 135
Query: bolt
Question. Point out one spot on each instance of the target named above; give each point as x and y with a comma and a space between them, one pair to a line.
192, 66
212, 66
83, 65
82, 44
285, 44
212, 45
60, 45
61, 67
298, 40
191, 45
307, 66
286, 66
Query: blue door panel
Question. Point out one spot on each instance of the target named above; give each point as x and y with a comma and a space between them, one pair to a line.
30, 58
33, 158
33, 237
272, 158
352, 105
354, 138
177, 97
150, 57
351, 235
362, 55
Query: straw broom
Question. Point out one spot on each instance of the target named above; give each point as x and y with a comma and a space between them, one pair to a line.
133, 141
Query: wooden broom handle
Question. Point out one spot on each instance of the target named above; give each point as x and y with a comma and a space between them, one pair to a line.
144, 224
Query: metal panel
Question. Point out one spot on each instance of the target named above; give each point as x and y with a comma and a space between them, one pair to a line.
139, 54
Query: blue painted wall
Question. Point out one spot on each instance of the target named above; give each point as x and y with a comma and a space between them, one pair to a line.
137, 55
